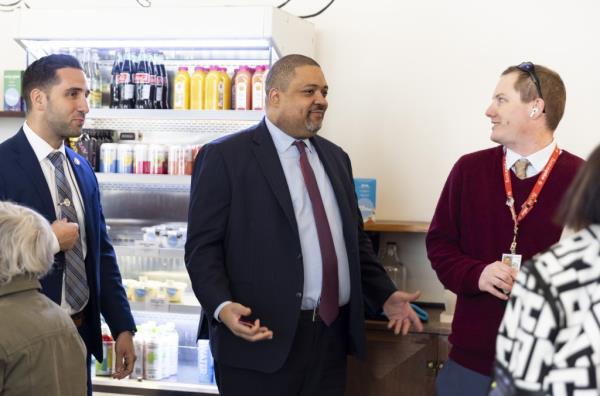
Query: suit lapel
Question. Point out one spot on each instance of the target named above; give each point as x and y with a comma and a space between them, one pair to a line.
27, 160
266, 155
334, 174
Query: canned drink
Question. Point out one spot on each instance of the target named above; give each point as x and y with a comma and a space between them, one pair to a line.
108, 158
124, 158
195, 151
141, 162
188, 155
107, 365
158, 155
176, 160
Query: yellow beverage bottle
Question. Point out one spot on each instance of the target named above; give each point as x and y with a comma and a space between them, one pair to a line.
197, 88
181, 89
211, 88
224, 89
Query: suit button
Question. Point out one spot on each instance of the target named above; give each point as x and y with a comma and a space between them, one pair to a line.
299, 256
299, 295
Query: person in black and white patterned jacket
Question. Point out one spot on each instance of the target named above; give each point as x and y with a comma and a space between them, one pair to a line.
549, 339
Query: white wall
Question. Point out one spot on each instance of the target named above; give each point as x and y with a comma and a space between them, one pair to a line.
410, 81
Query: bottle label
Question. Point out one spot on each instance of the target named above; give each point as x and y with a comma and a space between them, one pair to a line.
142, 78
240, 97
128, 92
179, 95
124, 78
257, 96
220, 90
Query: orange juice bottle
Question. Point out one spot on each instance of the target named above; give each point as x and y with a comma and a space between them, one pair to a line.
258, 88
243, 89
224, 89
197, 88
181, 89
211, 91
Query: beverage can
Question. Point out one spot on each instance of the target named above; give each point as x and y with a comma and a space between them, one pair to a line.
141, 162
158, 156
188, 155
124, 158
108, 158
176, 160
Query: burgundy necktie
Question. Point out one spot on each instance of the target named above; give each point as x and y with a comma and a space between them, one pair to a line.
328, 305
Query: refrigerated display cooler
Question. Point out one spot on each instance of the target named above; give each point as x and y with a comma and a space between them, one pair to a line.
146, 213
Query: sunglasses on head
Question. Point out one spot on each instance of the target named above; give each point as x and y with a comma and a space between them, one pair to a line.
529, 68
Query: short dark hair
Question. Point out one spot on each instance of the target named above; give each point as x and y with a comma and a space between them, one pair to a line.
41, 74
581, 205
552, 87
282, 71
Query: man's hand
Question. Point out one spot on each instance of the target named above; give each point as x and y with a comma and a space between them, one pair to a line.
125, 355
66, 233
400, 314
231, 315
497, 277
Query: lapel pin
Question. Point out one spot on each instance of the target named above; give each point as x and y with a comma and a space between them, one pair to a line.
76, 161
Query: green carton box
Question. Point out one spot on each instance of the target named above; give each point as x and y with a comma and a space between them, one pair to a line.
12, 90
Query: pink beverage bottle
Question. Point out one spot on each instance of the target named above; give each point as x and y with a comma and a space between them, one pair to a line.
258, 88
141, 161
243, 89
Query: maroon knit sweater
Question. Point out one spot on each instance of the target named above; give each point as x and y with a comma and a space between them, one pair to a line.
472, 227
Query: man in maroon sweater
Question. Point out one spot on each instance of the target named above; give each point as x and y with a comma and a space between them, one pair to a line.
474, 225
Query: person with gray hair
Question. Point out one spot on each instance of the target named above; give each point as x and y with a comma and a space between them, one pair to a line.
40, 349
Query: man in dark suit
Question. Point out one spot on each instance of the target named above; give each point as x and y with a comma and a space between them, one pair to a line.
276, 249
38, 171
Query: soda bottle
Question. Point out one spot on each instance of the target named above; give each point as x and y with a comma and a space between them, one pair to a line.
153, 78
115, 97
126, 83
158, 87
166, 97
142, 82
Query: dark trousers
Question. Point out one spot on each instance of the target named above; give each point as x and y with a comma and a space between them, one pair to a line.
456, 380
316, 365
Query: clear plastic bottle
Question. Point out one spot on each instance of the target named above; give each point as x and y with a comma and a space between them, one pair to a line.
393, 266
95, 81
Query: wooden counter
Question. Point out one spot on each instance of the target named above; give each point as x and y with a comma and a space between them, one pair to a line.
400, 365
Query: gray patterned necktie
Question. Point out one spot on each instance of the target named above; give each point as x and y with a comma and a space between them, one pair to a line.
76, 287
521, 168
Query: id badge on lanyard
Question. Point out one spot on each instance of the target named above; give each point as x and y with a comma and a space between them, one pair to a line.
513, 259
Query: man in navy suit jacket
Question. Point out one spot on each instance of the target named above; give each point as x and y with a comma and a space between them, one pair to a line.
55, 91
255, 254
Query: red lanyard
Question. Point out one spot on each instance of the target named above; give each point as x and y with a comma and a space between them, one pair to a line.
533, 195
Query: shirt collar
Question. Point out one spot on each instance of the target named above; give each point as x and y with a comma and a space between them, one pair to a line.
40, 147
20, 283
282, 140
537, 160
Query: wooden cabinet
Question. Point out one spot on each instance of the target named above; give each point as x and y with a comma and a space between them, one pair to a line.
398, 365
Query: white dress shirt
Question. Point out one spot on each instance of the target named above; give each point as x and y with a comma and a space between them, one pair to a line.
307, 229
42, 149
289, 156
537, 160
